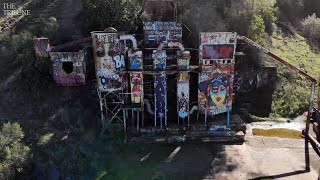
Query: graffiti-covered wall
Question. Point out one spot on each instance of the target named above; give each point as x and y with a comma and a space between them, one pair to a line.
41, 45
215, 90
109, 60
157, 32
160, 86
247, 81
183, 88
216, 60
68, 68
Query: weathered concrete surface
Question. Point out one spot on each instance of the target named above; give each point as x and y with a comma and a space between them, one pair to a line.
266, 158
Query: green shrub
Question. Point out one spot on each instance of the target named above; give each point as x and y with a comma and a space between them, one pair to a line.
311, 29
254, 19
291, 96
120, 14
257, 29
13, 153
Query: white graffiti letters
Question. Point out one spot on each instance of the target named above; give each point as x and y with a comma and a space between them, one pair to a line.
119, 61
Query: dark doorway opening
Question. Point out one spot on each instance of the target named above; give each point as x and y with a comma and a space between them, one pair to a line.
67, 67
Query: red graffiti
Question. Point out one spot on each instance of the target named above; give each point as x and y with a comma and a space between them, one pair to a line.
225, 52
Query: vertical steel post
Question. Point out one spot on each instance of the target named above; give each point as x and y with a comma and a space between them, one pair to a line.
228, 118
125, 123
138, 120
307, 157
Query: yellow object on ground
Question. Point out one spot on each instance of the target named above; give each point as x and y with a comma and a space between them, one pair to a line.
279, 132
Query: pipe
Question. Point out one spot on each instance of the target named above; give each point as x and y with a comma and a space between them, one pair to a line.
131, 38
149, 109
194, 108
314, 141
171, 45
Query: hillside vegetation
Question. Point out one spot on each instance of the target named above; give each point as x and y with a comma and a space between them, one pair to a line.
59, 125
292, 92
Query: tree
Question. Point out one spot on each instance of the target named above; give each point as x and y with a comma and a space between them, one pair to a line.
254, 19
120, 14
311, 29
13, 153
257, 29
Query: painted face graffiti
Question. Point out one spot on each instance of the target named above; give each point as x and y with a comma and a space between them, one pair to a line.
217, 92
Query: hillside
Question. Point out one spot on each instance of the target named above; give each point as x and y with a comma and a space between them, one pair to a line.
61, 124
298, 52
292, 91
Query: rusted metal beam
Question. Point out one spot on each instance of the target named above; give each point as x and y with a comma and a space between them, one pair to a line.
69, 44
291, 66
314, 141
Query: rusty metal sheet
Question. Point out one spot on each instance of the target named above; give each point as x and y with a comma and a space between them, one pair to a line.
108, 53
69, 68
40, 46
157, 32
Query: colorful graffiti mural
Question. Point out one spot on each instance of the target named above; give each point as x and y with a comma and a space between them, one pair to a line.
248, 81
159, 61
136, 80
160, 99
215, 91
183, 94
217, 46
218, 38
109, 60
69, 68
183, 60
216, 59
135, 60
161, 32
224, 51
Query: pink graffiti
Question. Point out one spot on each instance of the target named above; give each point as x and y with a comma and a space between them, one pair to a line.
70, 80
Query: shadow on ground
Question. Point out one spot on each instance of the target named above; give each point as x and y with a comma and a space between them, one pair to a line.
167, 161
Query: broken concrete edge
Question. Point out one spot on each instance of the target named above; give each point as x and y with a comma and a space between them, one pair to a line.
235, 137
